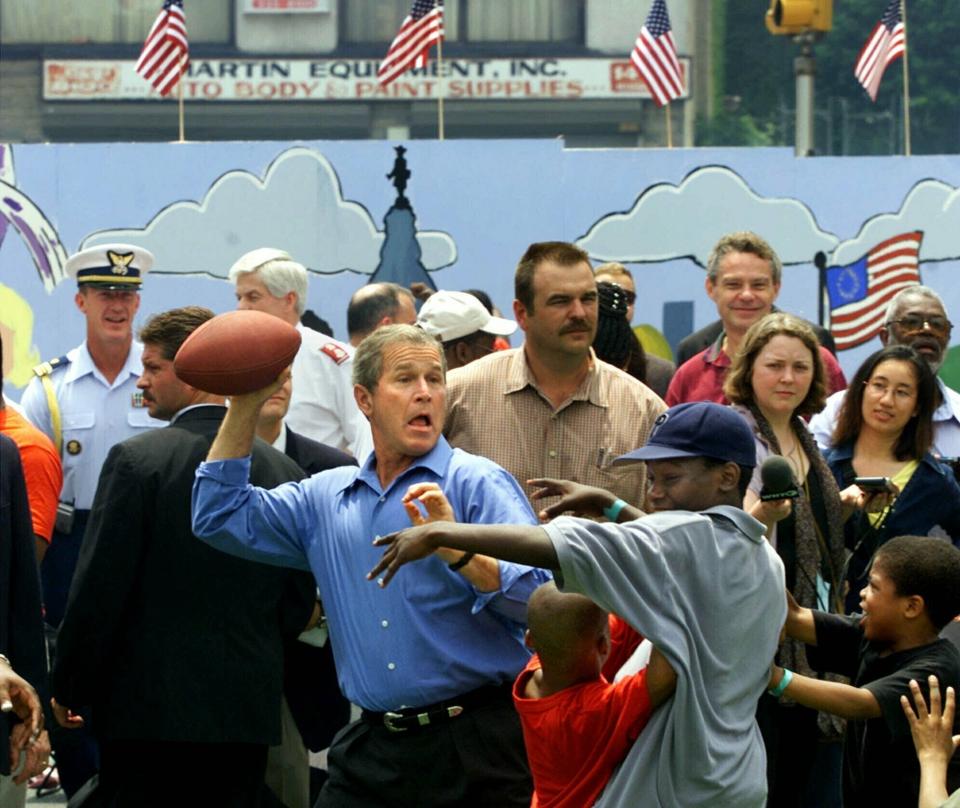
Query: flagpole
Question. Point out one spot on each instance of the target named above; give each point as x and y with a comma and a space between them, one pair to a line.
666, 108
440, 85
906, 81
180, 105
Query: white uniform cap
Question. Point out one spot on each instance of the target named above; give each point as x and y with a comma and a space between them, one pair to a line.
110, 266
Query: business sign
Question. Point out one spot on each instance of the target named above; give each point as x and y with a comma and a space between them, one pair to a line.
286, 6
354, 80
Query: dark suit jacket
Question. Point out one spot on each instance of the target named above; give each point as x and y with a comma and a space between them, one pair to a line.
312, 456
21, 620
166, 637
310, 677
692, 344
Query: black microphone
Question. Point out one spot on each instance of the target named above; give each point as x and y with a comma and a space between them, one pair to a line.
778, 481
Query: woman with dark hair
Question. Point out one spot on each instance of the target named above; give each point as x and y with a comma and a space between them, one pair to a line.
777, 378
616, 343
885, 429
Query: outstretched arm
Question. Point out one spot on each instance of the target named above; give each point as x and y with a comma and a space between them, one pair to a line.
800, 624
933, 737
481, 571
831, 697
524, 544
580, 500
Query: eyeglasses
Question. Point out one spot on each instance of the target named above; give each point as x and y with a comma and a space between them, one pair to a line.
917, 322
880, 390
630, 296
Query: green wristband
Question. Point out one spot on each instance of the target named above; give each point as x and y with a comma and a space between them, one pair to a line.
785, 680
614, 510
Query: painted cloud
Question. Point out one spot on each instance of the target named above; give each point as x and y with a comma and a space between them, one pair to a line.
931, 206
686, 220
298, 206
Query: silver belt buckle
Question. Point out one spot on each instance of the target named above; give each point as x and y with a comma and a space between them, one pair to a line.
389, 718
423, 719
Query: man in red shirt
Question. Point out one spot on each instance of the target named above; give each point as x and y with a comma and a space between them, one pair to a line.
743, 280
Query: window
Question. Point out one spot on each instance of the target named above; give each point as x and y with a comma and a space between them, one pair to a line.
524, 20
105, 21
379, 20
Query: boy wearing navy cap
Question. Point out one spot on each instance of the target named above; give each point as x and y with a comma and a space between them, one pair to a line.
86, 401
696, 578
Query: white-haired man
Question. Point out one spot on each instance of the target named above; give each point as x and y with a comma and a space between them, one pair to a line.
322, 406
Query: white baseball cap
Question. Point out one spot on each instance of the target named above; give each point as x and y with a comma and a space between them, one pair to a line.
451, 315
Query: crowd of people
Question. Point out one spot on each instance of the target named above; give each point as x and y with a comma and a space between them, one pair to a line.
613, 603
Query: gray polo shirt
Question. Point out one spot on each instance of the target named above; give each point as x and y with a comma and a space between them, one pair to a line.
707, 590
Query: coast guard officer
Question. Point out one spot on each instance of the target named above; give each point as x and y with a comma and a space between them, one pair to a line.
86, 401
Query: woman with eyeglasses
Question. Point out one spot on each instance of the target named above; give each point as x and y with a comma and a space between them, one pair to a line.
885, 429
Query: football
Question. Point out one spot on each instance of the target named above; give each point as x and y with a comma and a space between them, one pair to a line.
237, 352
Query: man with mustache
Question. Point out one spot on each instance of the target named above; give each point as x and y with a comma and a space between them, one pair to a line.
551, 408
915, 317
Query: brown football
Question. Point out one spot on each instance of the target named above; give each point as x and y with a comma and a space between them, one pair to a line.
237, 352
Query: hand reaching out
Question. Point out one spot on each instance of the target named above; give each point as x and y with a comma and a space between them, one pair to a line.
932, 731
433, 500
581, 500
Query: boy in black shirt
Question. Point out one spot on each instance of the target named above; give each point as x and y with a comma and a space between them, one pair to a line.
912, 593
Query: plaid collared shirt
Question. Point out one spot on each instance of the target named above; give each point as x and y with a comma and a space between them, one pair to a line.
496, 409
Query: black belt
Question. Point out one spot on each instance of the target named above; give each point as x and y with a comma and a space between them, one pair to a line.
417, 718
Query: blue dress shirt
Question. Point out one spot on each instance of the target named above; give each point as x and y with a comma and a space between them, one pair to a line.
429, 636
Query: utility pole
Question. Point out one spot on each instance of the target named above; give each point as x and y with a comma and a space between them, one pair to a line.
804, 71
805, 21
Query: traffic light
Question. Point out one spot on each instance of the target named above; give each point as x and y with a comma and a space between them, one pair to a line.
799, 16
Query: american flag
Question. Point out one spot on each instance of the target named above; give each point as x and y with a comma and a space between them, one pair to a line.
887, 43
410, 47
166, 52
859, 292
655, 56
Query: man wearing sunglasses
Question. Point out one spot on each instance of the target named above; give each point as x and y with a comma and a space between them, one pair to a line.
915, 317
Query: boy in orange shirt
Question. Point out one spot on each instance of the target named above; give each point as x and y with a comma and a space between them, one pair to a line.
577, 726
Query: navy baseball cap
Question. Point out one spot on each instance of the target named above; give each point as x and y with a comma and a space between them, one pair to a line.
699, 429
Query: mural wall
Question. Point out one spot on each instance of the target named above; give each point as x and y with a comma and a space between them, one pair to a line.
459, 214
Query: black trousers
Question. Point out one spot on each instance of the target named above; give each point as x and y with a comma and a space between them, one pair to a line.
165, 774
790, 736
75, 750
475, 760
